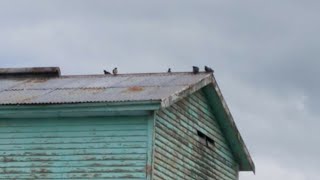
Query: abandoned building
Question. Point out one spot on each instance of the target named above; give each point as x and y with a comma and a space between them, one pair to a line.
125, 126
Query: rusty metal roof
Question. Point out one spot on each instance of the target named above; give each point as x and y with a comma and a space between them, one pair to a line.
97, 88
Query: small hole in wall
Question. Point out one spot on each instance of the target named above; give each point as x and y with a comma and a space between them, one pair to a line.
205, 140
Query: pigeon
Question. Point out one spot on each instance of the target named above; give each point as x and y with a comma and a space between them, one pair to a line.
115, 71
208, 69
106, 72
169, 70
195, 69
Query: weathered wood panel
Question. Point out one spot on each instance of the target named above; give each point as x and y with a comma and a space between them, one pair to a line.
178, 150
74, 148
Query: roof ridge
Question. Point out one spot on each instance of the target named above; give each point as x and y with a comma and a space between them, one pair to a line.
133, 74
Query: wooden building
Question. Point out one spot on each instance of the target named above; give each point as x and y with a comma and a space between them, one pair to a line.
128, 126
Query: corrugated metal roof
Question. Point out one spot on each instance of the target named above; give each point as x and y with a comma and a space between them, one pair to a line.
95, 88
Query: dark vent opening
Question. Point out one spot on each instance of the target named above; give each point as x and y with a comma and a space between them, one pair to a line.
30, 72
205, 140
200, 134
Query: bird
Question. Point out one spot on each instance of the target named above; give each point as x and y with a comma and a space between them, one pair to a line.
115, 71
169, 70
208, 69
106, 72
195, 69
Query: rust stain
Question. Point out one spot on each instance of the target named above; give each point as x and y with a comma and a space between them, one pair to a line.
135, 89
148, 169
88, 90
28, 99
37, 80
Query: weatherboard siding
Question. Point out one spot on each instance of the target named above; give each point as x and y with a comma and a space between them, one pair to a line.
178, 152
74, 148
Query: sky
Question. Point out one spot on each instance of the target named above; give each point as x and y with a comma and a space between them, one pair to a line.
265, 55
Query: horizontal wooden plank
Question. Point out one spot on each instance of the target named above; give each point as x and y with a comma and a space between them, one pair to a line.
67, 140
32, 135
87, 163
88, 145
83, 151
73, 157
12, 138
131, 175
74, 128
44, 122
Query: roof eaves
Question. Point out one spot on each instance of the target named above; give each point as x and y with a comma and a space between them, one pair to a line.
225, 119
77, 109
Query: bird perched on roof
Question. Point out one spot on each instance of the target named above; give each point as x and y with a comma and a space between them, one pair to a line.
115, 71
195, 69
106, 72
169, 70
208, 69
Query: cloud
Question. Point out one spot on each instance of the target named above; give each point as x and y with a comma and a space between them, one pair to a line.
270, 169
278, 128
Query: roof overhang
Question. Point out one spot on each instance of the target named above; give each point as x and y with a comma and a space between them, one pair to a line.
228, 126
168, 101
137, 108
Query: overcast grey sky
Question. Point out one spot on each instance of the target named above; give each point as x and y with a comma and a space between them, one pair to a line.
265, 55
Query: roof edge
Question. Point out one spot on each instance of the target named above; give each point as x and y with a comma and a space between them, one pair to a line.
30, 72
225, 119
81, 109
168, 101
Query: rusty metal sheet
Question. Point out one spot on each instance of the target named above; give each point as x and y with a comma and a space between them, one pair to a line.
95, 88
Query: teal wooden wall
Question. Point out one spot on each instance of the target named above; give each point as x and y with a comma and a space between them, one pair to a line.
178, 152
74, 148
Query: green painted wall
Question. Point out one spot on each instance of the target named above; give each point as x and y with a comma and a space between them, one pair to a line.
124, 142
75, 148
179, 152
